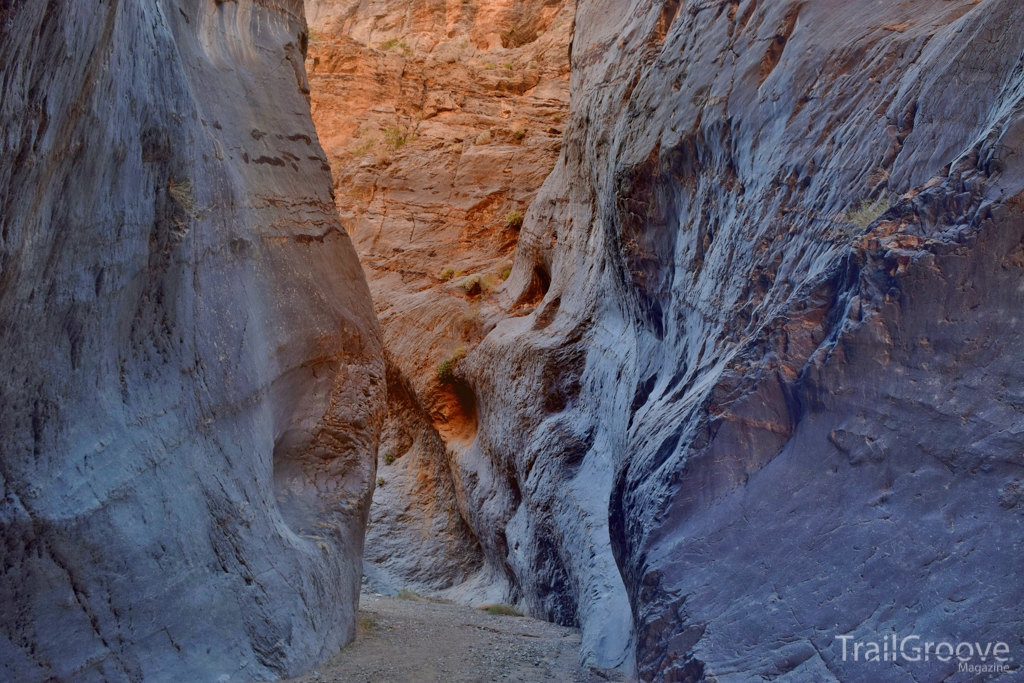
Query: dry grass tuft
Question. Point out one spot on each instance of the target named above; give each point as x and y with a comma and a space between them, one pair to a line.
867, 212
501, 610
514, 219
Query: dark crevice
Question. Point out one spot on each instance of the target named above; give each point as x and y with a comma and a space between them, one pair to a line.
777, 45
540, 282
669, 12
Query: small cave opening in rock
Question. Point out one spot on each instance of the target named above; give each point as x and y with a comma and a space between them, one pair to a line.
456, 419
535, 291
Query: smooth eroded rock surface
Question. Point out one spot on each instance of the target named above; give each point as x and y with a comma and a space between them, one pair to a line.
191, 377
775, 372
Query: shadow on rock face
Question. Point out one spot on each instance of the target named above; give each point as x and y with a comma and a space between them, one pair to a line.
185, 333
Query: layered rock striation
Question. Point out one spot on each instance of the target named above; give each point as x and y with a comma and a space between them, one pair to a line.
192, 376
441, 121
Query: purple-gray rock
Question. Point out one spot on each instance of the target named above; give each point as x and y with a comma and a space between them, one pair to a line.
191, 378
776, 369
768, 394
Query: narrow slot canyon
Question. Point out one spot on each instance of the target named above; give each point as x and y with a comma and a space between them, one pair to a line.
440, 123
661, 341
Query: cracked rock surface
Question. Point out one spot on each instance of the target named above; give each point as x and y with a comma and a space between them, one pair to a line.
191, 375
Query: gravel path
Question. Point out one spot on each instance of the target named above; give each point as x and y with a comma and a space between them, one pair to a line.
416, 641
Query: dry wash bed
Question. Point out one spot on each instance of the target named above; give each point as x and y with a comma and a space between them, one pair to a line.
416, 641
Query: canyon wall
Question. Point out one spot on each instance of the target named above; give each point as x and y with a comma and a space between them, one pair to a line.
192, 375
751, 382
441, 121
776, 368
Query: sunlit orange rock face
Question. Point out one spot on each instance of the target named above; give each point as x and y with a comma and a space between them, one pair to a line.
440, 121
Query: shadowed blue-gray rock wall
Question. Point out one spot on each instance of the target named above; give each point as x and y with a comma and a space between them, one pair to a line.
776, 368
190, 370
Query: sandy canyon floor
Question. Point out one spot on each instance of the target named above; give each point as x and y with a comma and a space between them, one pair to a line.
417, 641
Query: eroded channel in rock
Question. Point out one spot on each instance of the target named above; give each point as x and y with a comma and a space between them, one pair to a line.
716, 359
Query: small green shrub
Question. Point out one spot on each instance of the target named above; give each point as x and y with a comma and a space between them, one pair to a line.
367, 623
396, 42
380, 481
867, 212
472, 285
446, 371
365, 147
514, 219
506, 273
518, 134
389, 458
408, 594
502, 610
395, 137
447, 274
